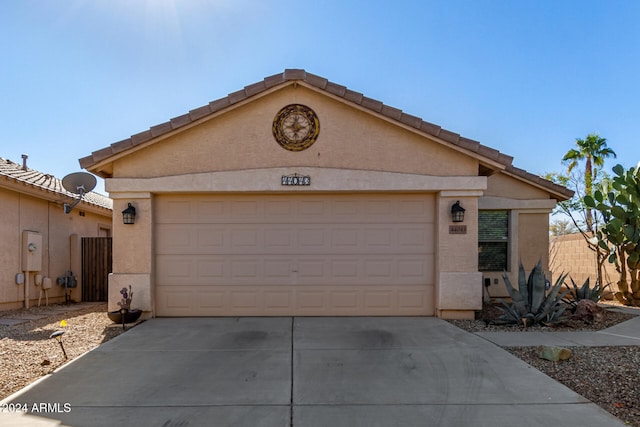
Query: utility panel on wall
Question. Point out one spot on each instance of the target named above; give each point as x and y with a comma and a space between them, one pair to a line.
31, 251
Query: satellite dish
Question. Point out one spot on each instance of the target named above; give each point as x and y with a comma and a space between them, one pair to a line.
78, 183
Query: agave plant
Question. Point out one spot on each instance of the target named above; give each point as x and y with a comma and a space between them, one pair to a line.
530, 303
584, 292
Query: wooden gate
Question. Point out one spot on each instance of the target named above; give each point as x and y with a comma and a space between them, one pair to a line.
96, 266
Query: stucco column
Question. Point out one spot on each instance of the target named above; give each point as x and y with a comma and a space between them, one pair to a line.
458, 282
132, 252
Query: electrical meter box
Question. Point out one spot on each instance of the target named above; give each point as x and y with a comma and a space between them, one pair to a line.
31, 251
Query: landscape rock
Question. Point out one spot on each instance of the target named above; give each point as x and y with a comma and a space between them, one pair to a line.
589, 311
554, 354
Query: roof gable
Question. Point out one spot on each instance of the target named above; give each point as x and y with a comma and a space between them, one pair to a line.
490, 159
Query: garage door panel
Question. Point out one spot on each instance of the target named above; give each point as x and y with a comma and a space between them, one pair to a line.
278, 238
189, 239
278, 269
418, 238
345, 268
347, 208
345, 238
209, 239
314, 270
176, 299
175, 239
245, 239
176, 270
208, 269
294, 254
412, 268
235, 300
379, 237
241, 239
313, 238
379, 208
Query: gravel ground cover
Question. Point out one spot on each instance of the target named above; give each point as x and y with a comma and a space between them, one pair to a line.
607, 376
27, 353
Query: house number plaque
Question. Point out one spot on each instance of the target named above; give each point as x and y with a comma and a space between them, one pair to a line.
296, 179
457, 229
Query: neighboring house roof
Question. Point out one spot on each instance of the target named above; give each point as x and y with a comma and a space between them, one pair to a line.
490, 159
19, 176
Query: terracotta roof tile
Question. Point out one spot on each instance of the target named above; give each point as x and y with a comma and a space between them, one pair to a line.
488, 152
86, 162
290, 75
219, 104
449, 136
294, 74
274, 80
505, 159
141, 137
372, 104
469, 144
237, 96
161, 129
317, 81
410, 120
335, 89
179, 121
200, 112
107, 152
255, 88
121, 145
430, 128
394, 113
46, 182
352, 96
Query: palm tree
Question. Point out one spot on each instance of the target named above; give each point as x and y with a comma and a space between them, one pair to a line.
593, 150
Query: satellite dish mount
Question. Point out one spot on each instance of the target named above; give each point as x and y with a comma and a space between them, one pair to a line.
78, 183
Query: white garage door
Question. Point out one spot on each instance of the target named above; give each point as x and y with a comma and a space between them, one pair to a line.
274, 255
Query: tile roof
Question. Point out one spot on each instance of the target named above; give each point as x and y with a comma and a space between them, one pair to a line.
15, 172
317, 82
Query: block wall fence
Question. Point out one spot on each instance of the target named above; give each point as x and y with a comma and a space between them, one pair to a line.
571, 254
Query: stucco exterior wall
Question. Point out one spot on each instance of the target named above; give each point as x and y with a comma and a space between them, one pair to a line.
458, 288
533, 239
241, 140
501, 185
21, 212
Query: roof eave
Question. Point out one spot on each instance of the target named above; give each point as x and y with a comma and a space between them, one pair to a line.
49, 195
555, 191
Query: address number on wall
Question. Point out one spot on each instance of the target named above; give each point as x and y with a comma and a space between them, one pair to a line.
296, 180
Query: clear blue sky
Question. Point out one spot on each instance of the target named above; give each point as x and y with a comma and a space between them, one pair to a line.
524, 77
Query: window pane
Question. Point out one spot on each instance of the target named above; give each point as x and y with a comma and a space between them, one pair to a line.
492, 256
493, 225
493, 240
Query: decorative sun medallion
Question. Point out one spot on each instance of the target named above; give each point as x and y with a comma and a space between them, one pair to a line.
296, 127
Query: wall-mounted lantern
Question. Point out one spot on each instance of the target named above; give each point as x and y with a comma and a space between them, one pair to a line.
129, 215
457, 212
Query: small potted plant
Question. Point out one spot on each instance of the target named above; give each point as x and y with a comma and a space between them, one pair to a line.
125, 314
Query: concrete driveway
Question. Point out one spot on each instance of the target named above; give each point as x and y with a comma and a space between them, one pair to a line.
306, 372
